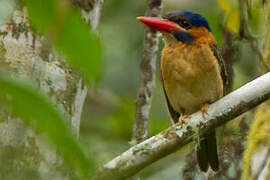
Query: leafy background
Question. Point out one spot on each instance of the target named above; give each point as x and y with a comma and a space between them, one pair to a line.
108, 114
107, 120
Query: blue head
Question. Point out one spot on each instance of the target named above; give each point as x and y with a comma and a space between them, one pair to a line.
183, 26
187, 19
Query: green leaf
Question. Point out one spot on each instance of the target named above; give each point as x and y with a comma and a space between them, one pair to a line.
230, 8
233, 21
41, 19
63, 25
225, 6
256, 19
37, 112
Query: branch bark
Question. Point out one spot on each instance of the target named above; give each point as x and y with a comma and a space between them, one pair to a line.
170, 140
91, 12
148, 69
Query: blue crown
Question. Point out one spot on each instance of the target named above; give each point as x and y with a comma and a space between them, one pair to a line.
196, 19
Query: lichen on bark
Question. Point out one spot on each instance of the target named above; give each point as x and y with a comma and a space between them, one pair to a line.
27, 55
22, 56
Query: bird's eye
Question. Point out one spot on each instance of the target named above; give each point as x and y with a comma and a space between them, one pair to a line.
185, 24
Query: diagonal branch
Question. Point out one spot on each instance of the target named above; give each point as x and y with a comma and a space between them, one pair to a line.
170, 140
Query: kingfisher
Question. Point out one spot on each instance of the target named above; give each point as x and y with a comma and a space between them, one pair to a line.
193, 73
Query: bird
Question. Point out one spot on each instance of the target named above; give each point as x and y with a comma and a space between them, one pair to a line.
192, 71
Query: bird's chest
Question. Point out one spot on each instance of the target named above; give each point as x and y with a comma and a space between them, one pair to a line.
191, 76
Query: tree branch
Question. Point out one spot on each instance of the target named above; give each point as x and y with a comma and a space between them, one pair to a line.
148, 69
91, 10
170, 140
30, 56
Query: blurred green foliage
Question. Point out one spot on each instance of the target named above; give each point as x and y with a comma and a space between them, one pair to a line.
232, 14
37, 111
63, 25
108, 115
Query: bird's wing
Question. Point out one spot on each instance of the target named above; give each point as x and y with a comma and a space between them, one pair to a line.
174, 115
224, 72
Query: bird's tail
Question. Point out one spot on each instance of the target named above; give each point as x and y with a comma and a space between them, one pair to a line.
207, 152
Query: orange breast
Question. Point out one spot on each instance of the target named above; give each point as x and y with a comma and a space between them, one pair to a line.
191, 76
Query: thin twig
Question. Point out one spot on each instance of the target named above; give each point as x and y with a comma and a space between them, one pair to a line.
148, 69
170, 140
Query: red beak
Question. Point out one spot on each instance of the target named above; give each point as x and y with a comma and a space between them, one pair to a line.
160, 24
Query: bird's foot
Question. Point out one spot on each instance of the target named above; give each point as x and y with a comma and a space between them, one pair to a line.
182, 118
204, 109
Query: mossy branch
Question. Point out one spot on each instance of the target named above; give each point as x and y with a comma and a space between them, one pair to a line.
148, 71
170, 140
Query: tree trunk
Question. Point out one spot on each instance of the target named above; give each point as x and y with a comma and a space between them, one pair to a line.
23, 153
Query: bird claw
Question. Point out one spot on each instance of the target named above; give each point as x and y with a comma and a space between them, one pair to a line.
183, 117
204, 109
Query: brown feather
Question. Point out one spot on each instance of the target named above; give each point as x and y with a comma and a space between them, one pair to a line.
190, 79
224, 72
174, 115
